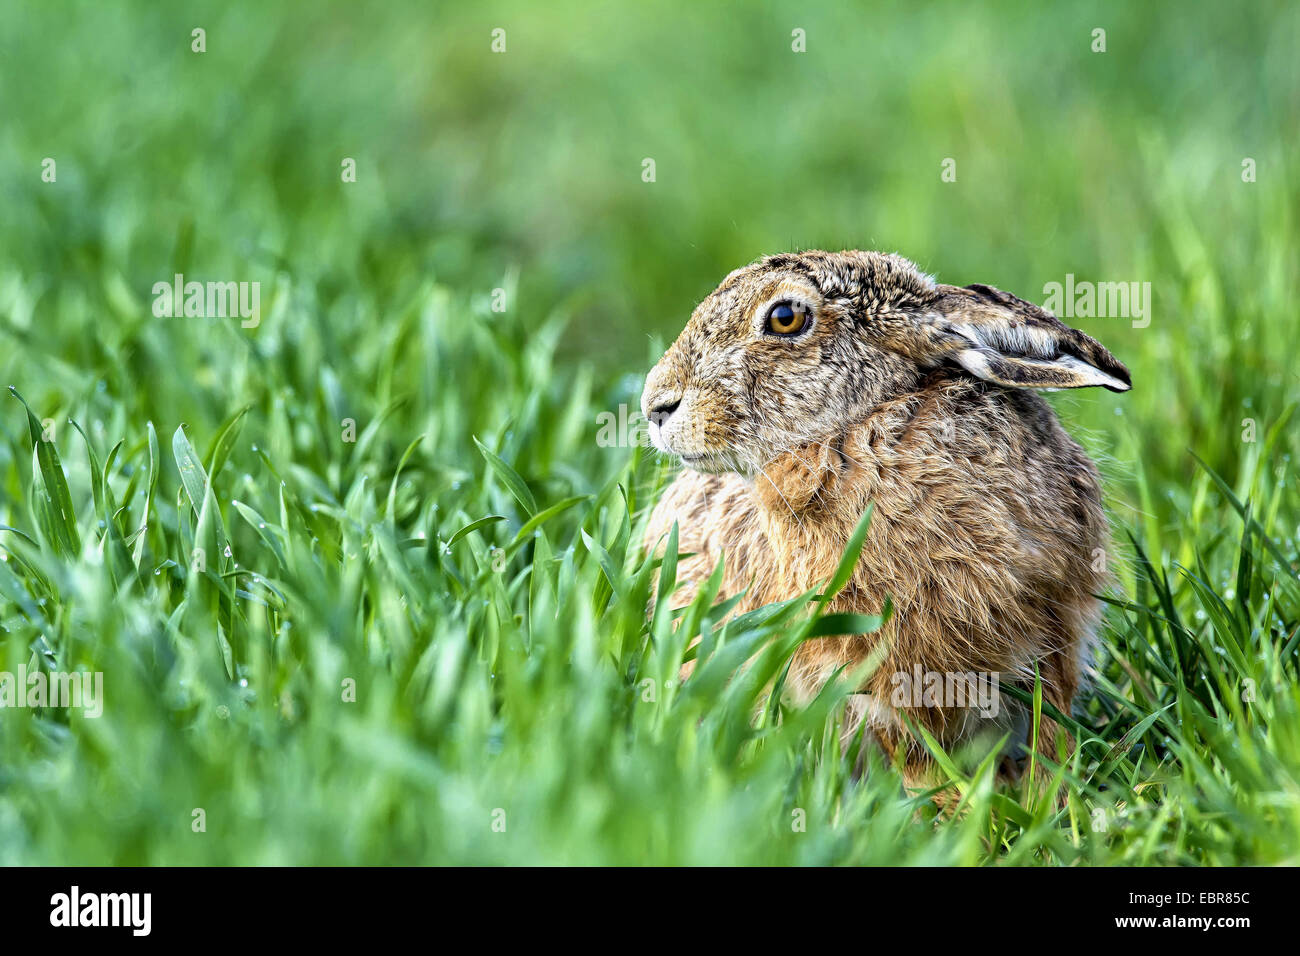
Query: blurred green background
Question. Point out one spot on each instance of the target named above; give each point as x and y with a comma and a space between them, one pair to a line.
522, 170
475, 167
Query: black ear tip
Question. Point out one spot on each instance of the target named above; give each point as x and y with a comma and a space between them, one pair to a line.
1117, 370
1098, 356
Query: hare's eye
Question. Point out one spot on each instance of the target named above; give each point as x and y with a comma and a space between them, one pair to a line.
786, 318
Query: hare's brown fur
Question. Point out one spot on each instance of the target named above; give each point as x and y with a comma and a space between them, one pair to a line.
987, 532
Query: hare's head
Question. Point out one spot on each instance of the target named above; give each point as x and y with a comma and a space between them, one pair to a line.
796, 347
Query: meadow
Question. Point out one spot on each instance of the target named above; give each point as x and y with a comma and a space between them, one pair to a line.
363, 578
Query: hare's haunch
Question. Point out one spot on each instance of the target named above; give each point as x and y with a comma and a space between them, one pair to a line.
808, 386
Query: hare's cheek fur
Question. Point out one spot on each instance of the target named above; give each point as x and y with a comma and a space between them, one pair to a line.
987, 535
699, 411
701, 430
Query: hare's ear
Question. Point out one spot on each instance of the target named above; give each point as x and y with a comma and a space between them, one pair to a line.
1012, 342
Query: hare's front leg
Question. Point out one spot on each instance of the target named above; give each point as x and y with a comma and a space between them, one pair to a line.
715, 518
810, 500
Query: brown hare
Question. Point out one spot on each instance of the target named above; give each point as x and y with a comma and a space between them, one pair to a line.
808, 386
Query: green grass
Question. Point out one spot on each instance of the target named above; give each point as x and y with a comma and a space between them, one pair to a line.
470, 561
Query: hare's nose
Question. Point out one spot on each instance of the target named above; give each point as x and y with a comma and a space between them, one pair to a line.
662, 408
